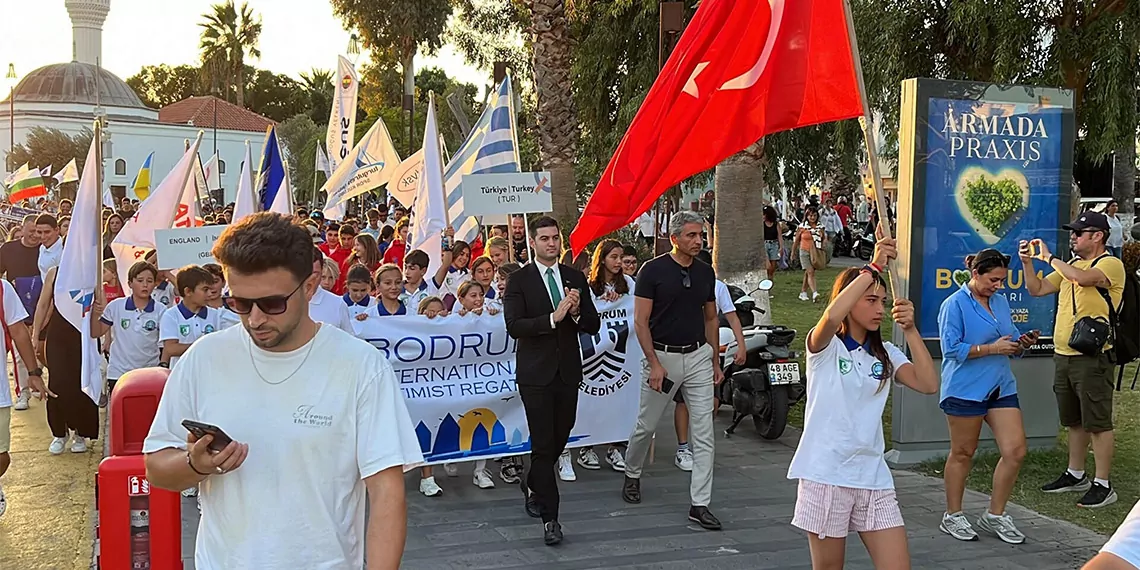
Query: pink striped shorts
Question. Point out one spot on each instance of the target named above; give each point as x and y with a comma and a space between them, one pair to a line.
830, 511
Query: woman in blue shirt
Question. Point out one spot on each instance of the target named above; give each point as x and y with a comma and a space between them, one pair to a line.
978, 338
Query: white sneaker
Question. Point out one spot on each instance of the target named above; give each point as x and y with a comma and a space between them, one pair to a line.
815, 296
566, 467
803, 296
57, 444
3, 502
588, 459
429, 488
79, 445
684, 460
451, 469
957, 526
615, 459
22, 400
191, 492
482, 479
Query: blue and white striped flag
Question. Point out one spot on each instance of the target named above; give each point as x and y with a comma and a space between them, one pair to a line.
492, 147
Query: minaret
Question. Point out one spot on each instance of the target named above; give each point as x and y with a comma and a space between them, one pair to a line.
87, 17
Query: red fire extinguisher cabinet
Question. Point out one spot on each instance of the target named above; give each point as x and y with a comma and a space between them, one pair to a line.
140, 527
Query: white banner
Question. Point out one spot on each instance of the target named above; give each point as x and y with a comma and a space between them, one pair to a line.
186, 246
506, 193
457, 375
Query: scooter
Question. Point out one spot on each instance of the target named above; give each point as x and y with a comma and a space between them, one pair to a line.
769, 382
863, 242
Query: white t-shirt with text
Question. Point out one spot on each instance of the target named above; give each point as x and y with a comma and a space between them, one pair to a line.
329, 415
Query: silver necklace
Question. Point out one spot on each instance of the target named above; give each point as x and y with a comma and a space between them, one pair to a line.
312, 343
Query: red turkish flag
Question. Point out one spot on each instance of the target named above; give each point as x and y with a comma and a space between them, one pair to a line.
741, 70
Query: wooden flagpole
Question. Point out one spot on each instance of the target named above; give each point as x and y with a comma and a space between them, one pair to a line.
867, 125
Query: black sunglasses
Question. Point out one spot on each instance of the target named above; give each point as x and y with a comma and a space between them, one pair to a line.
272, 305
685, 281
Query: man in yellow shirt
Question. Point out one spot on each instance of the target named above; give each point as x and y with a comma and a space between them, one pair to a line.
1083, 383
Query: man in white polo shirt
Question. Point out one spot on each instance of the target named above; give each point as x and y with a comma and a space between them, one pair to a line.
191, 318
325, 306
51, 246
14, 315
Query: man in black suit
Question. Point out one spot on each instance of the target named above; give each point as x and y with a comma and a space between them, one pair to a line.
546, 306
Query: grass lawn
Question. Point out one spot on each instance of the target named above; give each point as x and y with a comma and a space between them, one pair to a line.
1040, 466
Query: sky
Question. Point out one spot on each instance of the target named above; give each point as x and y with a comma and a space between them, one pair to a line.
297, 35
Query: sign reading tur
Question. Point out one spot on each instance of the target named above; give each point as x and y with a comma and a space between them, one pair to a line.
508, 193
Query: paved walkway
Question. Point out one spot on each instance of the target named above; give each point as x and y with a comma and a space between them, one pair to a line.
469, 528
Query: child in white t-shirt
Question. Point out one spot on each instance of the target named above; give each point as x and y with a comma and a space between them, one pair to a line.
471, 299
133, 323
389, 281
844, 482
416, 288
432, 307
216, 299
1122, 551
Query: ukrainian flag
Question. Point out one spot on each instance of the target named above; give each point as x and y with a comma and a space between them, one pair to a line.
141, 186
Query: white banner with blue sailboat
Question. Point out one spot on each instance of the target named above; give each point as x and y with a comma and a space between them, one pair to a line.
457, 374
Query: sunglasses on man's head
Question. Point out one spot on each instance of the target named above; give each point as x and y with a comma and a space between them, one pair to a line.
271, 305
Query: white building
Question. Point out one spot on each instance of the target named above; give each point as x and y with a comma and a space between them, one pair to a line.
67, 97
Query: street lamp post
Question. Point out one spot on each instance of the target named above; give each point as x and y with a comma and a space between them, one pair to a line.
11, 79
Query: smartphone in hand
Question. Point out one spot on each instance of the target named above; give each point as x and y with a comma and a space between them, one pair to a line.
200, 430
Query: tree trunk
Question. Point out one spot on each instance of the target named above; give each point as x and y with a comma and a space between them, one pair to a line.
738, 247
408, 65
239, 77
1124, 182
556, 115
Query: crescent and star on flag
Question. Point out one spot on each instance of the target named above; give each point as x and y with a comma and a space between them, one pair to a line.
748, 78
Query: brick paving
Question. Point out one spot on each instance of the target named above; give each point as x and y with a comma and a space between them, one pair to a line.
470, 529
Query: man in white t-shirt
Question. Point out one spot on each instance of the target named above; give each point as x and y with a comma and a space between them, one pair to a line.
317, 419
325, 306
1122, 552
14, 315
51, 245
191, 318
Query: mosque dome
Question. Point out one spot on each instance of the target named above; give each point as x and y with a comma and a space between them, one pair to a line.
76, 83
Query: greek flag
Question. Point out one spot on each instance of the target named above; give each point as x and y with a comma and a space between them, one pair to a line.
492, 147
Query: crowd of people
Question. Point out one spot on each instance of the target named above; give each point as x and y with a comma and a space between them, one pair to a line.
299, 288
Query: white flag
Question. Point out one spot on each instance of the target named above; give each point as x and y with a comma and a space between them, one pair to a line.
368, 166
45, 172
322, 164
16, 175
246, 201
80, 270
406, 179
342, 118
70, 173
108, 198
157, 212
212, 173
188, 214
430, 208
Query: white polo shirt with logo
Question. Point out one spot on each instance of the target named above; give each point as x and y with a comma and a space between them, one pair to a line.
357, 307
164, 294
134, 331
185, 327
49, 257
842, 441
412, 300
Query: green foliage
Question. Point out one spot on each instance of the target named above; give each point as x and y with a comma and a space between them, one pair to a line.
490, 31
161, 85
1130, 255
320, 88
299, 136
228, 35
394, 29
275, 95
381, 97
45, 146
992, 202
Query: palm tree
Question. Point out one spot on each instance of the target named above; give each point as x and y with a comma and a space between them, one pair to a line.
228, 35
319, 85
556, 114
738, 239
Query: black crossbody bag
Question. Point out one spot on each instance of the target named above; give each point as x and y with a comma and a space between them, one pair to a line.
1090, 334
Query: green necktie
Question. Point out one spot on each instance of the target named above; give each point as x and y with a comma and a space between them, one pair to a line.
555, 293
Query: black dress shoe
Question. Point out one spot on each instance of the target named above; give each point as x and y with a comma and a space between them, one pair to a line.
704, 517
631, 490
531, 504
551, 533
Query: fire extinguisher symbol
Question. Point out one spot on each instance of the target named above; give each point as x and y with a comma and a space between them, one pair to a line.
138, 486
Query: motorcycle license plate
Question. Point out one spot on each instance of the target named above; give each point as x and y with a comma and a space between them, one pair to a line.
781, 373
